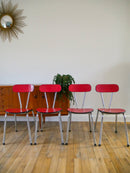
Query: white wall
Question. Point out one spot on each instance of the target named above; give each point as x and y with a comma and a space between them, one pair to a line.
86, 38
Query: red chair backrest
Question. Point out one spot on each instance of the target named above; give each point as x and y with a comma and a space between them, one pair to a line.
107, 88
23, 88
80, 87
50, 88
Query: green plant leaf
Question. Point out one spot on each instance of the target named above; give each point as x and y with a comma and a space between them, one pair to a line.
64, 81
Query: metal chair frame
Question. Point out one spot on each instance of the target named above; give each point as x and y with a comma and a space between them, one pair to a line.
78, 88
15, 111
54, 88
114, 88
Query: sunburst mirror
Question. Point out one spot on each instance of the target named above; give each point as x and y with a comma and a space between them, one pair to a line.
11, 20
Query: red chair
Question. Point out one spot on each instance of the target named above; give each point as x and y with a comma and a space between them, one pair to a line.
20, 111
80, 88
49, 88
109, 88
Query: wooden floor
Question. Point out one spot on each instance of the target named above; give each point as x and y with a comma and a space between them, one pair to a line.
80, 156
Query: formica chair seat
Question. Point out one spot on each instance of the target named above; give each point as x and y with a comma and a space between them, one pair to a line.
48, 110
80, 110
18, 111
112, 110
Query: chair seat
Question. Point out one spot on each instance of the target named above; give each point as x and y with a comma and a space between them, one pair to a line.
18, 111
80, 111
48, 110
112, 110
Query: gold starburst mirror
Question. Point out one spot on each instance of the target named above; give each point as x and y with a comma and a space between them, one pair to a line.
11, 20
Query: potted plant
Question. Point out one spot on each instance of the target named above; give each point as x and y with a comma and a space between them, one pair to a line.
64, 81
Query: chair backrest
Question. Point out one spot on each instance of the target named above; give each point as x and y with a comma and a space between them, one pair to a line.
50, 88
22, 88
80, 88
107, 88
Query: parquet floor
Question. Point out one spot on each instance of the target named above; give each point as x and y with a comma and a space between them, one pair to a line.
80, 156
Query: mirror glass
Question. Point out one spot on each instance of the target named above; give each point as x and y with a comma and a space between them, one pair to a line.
6, 21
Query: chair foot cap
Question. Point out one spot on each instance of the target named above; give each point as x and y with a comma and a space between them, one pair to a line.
16, 130
30, 143
3, 143
116, 131
37, 130
95, 145
66, 143
69, 130
41, 130
62, 143
128, 145
90, 131
99, 145
35, 143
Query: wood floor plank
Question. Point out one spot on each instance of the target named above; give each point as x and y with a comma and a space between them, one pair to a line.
100, 160
79, 156
109, 165
77, 165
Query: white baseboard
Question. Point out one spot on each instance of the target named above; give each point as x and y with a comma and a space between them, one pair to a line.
76, 117
82, 118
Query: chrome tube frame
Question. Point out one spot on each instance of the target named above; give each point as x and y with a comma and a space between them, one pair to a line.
41, 122
4, 134
15, 122
126, 132
61, 130
96, 120
92, 128
101, 127
68, 128
116, 123
29, 131
36, 127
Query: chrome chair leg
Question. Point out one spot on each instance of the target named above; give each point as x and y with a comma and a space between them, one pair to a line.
36, 127
96, 120
4, 128
29, 131
94, 140
33, 116
61, 131
68, 127
90, 123
15, 121
126, 131
116, 123
70, 122
100, 138
41, 122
